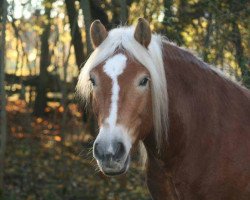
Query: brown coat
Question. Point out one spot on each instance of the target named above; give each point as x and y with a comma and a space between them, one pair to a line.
208, 152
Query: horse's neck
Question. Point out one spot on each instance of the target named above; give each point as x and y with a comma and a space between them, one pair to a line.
202, 103
159, 179
199, 99
206, 112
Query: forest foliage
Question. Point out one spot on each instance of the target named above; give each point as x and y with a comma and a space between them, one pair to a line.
46, 42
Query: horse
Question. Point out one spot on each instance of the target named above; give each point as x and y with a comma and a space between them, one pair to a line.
193, 121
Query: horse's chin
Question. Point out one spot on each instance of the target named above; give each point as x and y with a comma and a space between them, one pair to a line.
115, 171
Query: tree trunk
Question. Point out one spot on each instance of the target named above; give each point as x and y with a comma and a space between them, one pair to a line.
97, 12
76, 36
115, 13
41, 97
168, 14
172, 29
3, 120
85, 5
239, 54
123, 12
209, 30
1, 10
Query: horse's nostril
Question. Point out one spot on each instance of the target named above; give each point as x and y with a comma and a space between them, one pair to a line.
102, 153
119, 150
98, 152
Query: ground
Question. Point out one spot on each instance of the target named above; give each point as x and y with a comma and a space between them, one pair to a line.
51, 158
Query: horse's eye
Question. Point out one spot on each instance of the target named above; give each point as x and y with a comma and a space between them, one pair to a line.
144, 82
92, 80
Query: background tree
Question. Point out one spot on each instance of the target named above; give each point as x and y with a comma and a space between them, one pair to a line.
76, 36
3, 120
85, 5
41, 97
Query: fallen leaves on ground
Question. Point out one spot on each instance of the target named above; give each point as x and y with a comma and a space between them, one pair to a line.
48, 160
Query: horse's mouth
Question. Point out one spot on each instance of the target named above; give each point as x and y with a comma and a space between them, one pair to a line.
115, 172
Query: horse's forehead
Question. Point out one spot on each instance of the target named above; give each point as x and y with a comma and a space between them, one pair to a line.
120, 65
115, 65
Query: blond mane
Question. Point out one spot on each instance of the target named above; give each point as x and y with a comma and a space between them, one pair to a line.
151, 58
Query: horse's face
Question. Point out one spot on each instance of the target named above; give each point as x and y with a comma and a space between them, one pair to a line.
121, 99
122, 102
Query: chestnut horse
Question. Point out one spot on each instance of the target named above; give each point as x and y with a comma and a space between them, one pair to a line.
193, 121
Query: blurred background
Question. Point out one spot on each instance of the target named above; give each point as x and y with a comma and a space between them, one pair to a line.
46, 136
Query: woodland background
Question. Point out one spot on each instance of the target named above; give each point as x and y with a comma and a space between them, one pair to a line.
46, 136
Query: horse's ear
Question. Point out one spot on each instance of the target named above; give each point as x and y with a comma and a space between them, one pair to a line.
98, 33
142, 32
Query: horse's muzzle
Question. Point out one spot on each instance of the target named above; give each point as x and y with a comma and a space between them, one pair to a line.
115, 169
112, 158
111, 150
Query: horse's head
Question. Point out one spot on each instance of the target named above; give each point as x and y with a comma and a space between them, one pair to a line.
122, 101
121, 95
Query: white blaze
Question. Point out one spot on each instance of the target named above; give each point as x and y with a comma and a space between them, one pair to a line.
113, 67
